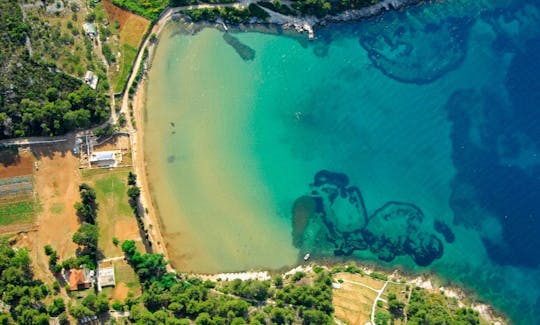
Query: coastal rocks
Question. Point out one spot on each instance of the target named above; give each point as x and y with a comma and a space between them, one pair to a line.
245, 52
416, 53
334, 219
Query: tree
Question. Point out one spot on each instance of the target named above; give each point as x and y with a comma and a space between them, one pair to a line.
315, 317
134, 192
87, 208
395, 306
87, 236
280, 315
57, 307
382, 318
132, 178
204, 319
129, 248
48, 250
80, 311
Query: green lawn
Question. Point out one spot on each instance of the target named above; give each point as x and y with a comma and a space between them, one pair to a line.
113, 207
127, 57
124, 273
17, 212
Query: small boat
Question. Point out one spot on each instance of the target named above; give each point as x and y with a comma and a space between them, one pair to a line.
306, 257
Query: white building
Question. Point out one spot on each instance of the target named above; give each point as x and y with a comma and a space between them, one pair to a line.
105, 158
105, 276
91, 79
90, 30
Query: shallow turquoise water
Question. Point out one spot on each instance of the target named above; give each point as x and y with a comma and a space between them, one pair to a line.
433, 109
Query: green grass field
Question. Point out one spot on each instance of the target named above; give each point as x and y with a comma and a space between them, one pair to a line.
17, 212
113, 207
124, 273
127, 58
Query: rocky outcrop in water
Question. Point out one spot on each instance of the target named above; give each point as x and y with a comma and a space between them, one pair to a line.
334, 218
416, 53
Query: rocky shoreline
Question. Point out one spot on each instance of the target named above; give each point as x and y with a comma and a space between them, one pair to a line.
305, 24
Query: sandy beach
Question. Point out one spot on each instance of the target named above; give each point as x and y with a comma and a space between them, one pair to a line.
150, 214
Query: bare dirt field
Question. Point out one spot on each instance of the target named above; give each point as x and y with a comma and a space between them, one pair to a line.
57, 184
373, 283
13, 164
352, 302
132, 27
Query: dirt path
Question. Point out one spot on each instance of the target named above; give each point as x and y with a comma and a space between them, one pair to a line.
374, 306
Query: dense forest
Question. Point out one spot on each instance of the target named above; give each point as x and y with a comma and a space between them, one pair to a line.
22, 296
35, 98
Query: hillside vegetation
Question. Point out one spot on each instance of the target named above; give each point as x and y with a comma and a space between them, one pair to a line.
35, 98
146, 8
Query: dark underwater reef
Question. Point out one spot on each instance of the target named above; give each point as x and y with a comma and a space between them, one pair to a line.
334, 216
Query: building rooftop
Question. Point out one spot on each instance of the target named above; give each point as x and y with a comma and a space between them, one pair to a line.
79, 279
106, 276
102, 156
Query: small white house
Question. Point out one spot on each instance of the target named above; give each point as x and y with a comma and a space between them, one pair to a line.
91, 79
90, 30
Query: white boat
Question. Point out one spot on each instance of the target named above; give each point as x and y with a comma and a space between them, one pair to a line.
307, 256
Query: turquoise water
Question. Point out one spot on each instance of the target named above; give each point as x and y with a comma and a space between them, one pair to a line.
409, 140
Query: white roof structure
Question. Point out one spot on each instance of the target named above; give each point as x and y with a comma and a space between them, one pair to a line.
106, 277
91, 79
100, 156
90, 30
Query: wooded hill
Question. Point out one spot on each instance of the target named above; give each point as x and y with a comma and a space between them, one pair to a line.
35, 98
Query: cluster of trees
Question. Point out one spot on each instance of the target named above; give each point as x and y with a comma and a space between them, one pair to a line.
150, 268
148, 9
90, 305
321, 8
22, 296
134, 194
87, 208
277, 6
168, 299
36, 99
249, 289
228, 14
395, 306
176, 3
53, 259
431, 308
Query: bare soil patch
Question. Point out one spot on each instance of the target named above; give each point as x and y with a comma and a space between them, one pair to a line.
57, 184
120, 292
370, 282
15, 163
132, 27
352, 302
